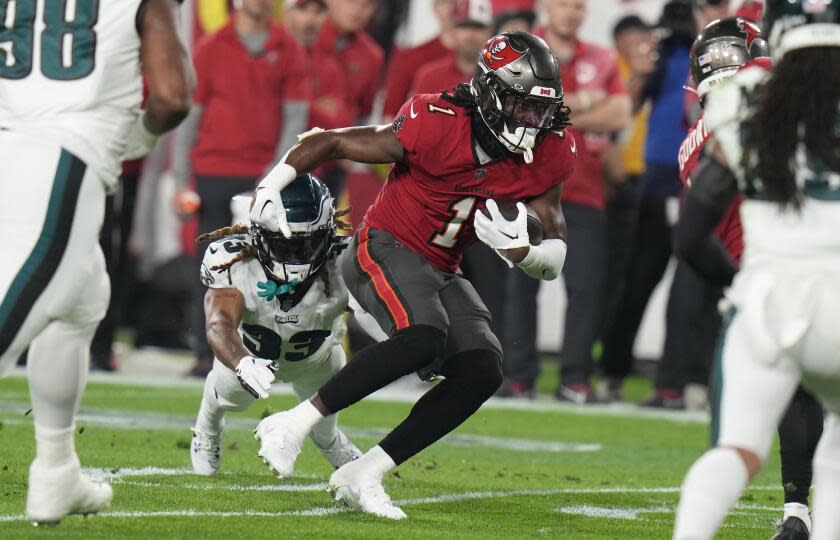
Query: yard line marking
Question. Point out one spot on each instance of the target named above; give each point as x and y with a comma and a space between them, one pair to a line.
611, 512
104, 475
320, 511
409, 389
235, 487
123, 419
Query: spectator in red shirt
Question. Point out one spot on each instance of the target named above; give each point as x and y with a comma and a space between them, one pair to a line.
404, 63
472, 20
250, 104
343, 38
303, 19
600, 108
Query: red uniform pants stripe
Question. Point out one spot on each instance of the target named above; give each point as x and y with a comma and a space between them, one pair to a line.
383, 289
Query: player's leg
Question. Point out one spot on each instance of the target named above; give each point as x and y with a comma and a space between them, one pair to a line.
827, 485
66, 282
400, 289
753, 388
222, 393
331, 441
472, 375
799, 433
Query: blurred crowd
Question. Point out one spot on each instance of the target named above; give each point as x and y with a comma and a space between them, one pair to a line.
278, 68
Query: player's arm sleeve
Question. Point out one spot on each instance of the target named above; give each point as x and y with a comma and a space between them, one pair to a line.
712, 191
414, 129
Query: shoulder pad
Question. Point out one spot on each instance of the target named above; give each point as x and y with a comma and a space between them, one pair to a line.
220, 253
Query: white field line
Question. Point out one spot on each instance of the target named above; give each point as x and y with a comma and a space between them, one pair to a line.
409, 390
292, 488
612, 512
122, 419
117, 475
321, 511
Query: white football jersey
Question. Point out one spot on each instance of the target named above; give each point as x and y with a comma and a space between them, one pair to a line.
773, 236
70, 72
298, 337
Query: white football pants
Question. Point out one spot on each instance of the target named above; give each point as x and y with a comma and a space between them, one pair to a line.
53, 285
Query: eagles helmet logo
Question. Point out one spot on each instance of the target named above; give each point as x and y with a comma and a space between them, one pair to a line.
499, 52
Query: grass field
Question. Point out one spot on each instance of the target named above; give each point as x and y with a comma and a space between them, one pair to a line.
548, 471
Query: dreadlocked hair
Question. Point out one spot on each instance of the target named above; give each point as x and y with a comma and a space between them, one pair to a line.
461, 97
248, 252
791, 112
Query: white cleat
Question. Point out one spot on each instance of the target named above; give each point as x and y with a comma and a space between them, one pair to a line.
362, 493
56, 492
342, 451
205, 452
280, 443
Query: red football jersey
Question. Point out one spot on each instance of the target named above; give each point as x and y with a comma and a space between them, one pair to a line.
728, 230
429, 200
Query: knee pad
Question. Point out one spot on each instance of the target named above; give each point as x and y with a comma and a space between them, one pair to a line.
224, 385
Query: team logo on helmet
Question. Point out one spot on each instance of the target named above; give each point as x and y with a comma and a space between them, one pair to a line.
498, 52
752, 31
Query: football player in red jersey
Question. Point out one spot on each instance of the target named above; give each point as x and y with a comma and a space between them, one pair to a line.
501, 136
722, 48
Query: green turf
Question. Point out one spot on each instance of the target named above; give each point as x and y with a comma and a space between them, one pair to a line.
636, 453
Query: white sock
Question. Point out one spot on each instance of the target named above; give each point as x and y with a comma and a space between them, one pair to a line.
305, 415
211, 415
375, 463
798, 510
54, 447
710, 489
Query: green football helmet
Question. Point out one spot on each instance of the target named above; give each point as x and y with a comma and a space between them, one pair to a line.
310, 213
798, 24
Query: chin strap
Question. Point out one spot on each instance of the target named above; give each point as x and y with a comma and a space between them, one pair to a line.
271, 290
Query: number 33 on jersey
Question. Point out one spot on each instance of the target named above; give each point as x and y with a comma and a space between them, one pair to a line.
301, 335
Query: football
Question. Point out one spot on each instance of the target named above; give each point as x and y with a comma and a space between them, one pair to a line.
507, 207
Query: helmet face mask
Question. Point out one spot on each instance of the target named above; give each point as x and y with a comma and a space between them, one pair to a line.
518, 91
310, 213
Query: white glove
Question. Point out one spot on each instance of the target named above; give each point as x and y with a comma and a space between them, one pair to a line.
140, 140
267, 210
256, 375
499, 233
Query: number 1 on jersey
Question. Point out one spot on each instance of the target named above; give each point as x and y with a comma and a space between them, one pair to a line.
449, 235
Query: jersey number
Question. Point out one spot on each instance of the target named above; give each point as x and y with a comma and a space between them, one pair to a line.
266, 343
68, 43
461, 210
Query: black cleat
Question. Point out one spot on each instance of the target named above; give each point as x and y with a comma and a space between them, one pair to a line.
792, 528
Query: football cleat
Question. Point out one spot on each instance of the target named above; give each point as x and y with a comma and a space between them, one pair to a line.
666, 399
56, 492
280, 443
360, 492
205, 452
792, 528
342, 451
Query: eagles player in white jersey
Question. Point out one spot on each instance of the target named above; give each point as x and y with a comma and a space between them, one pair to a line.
777, 139
70, 94
274, 309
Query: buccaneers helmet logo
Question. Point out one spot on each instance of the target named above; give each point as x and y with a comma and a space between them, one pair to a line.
498, 52
752, 31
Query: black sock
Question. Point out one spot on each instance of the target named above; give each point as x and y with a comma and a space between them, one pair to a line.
799, 432
472, 377
382, 363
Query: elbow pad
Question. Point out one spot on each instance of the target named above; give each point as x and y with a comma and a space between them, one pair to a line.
545, 261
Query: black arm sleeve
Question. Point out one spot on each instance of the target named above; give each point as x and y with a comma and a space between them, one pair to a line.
711, 193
